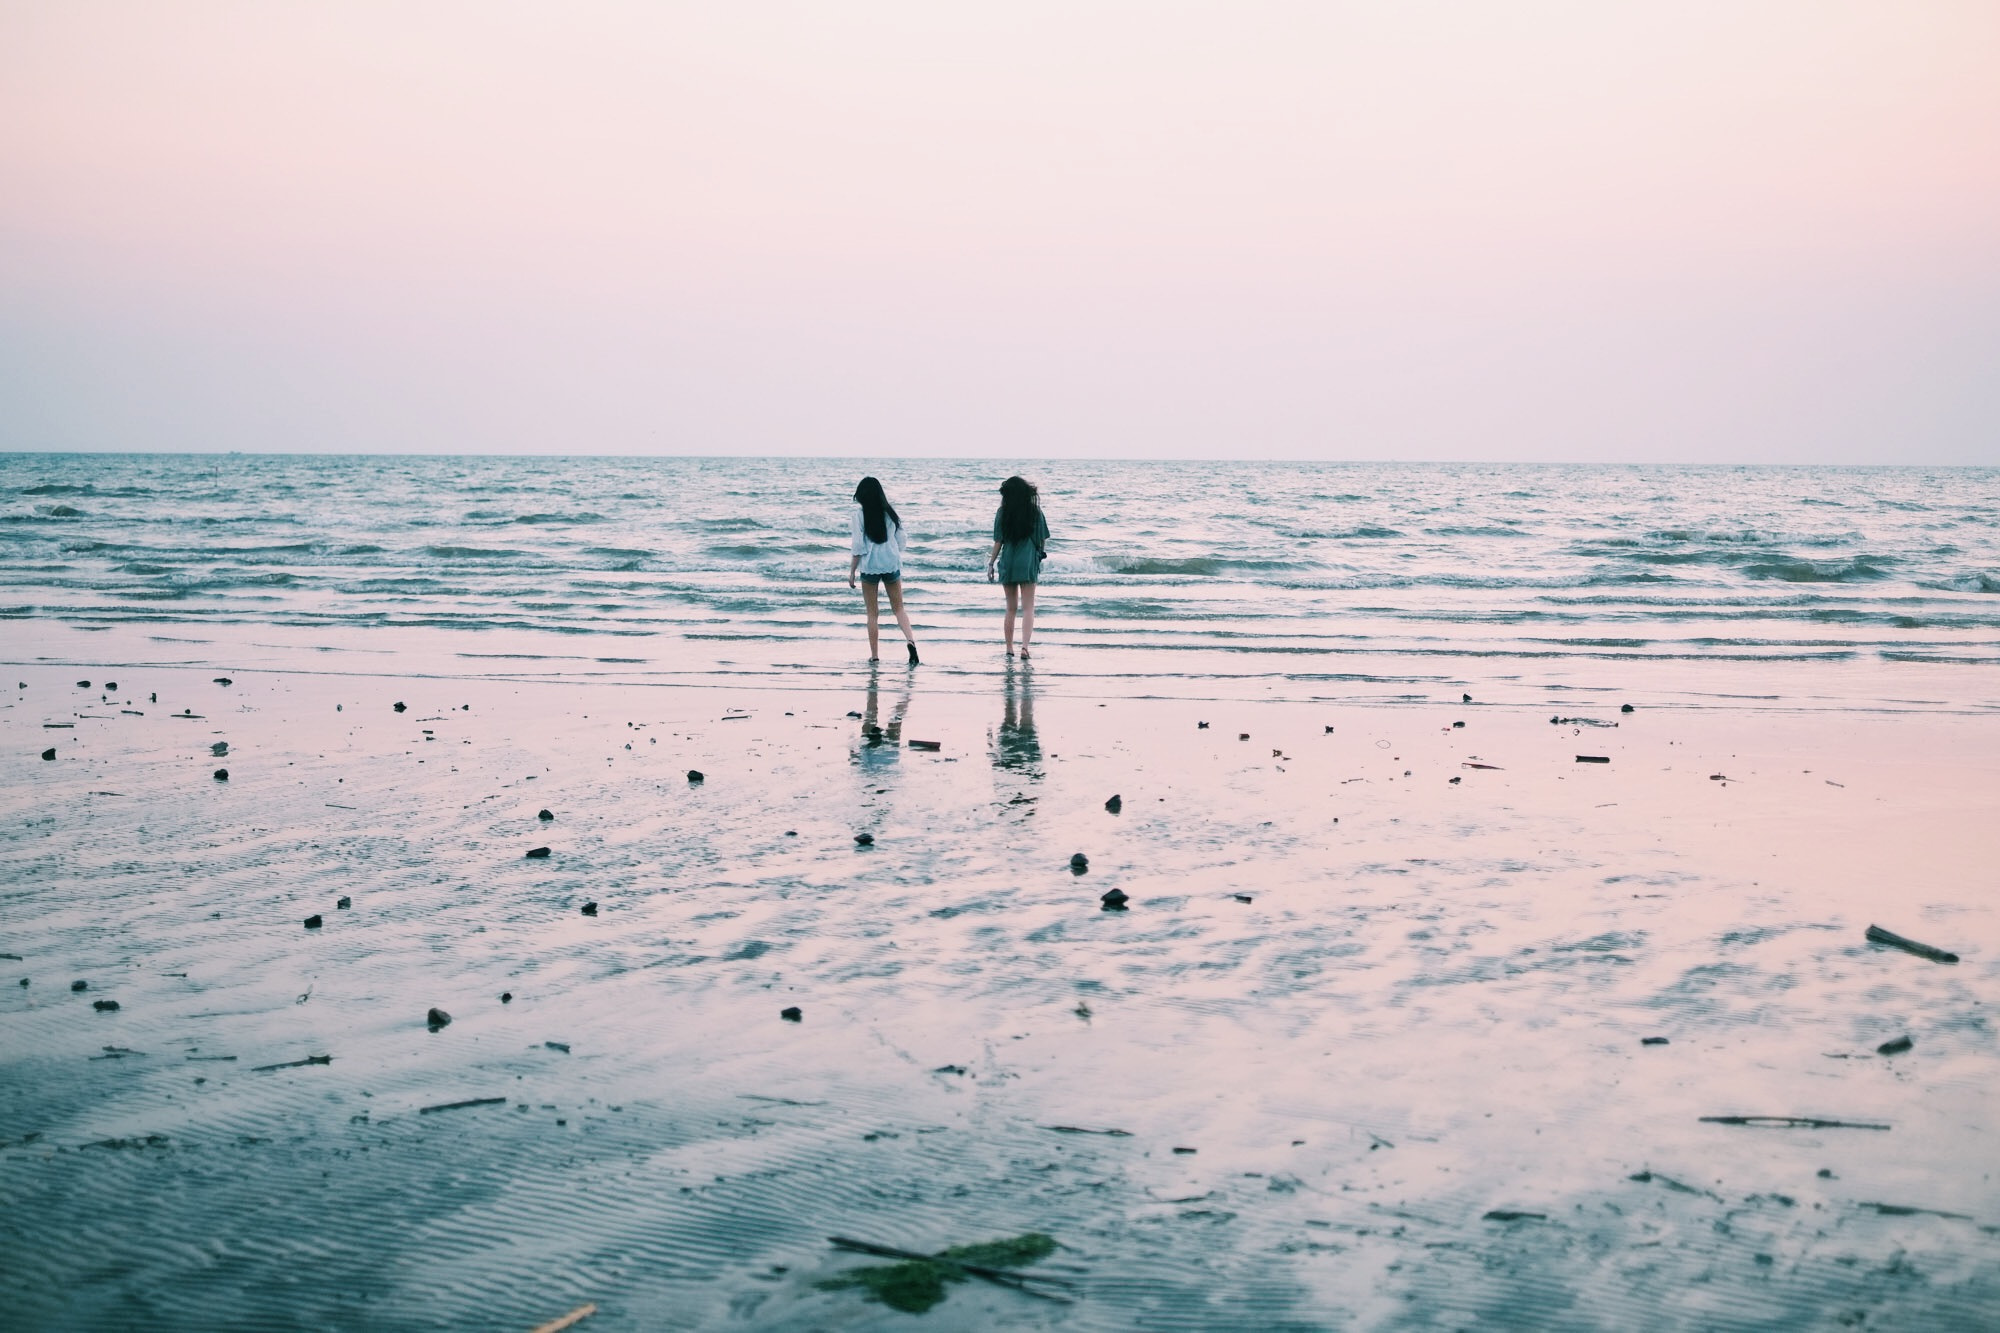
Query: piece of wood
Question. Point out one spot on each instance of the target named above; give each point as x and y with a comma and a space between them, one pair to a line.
576, 1316
292, 1064
1785, 1122
1877, 935
470, 1101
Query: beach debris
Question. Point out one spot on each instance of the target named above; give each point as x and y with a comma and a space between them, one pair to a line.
1652, 1041
864, 840
459, 1106
344, 903
1078, 863
1648, 1176
1455, 780
437, 1018
1896, 1046
506, 997
1458, 724
1475, 764
1877, 935
222, 775
219, 749
536, 854
219, 680
1242, 735
589, 909
696, 775
401, 706
1115, 804
1624, 708
1593, 759
1201, 726
926, 745
562, 1046
1785, 1122
1511, 1215
83, 685
105, 1006
949, 1069
1114, 900
1241, 897
576, 1316
293, 1064
792, 1014
918, 1282
49, 753
544, 816
313, 921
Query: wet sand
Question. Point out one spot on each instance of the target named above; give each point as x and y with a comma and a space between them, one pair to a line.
1403, 1085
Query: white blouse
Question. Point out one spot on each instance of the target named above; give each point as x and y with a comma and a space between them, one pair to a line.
878, 557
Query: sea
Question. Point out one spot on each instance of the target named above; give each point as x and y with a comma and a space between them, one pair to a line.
1834, 586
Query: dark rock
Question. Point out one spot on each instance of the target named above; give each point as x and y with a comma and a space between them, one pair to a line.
1242, 735
791, 833
1241, 897
590, 909
105, 1006
1458, 724
544, 816
24, 981
401, 706
793, 1014
1184, 1152
1896, 1047
949, 1069
437, 1018
1114, 900
110, 684
222, 775
219, 749
1456, 781
313, 922
153, 698
537, 854
1115, 804
224, 680
852, 713
1465, 698
562, 1046
344, 903
864, 839
1201, 726
1624, 708
1652, 1041
79, 985
696, 775
1079, 863
1329, 729
506, 997
49, 753
83, 685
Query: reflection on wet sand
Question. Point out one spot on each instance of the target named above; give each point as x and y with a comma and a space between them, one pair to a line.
1014, 745
877, 751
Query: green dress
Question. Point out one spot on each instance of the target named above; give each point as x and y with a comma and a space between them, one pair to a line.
1021, 561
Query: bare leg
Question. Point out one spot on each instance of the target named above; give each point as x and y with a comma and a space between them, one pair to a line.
1027, 616
869, 596
1013, 591
896, 605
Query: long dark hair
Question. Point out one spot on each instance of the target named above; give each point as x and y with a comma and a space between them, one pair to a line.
876, 511
1017, 509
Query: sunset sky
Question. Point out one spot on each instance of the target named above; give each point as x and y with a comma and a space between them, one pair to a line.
1699, 231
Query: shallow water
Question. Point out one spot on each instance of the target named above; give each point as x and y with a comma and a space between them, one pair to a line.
1409, 1068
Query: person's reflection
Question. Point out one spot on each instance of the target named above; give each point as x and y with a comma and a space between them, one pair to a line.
1015, 746
879, 748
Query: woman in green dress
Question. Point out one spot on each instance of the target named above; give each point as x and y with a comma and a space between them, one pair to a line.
1020, 539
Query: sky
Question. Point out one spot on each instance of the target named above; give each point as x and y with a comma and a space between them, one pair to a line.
1699, 231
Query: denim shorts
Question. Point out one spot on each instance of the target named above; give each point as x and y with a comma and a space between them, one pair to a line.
892, 576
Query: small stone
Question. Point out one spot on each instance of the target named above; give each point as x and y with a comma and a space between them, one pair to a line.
313, 922
110, 684
1652, 1041
1114, 900
1826, 1173
1456, 781
791, 833
105, 1006
1329, 729
49, 753
1465, 698
1115, 804
544, 816
1201, 726
1624, 708
437, 1018
864, 839
562, 1046
219, 749
222, 775
1458, 724
79, 985
695, 775
793, 1014
1079, 863
344, 903
83, 685
1241, 897
1184, 1152
590, 909
1896, 1047
1242, 735
224, 680
537, 854
506, 997
401, 706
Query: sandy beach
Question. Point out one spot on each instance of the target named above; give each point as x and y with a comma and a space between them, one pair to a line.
1375, 1042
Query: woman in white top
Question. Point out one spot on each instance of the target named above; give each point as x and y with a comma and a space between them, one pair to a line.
878, 558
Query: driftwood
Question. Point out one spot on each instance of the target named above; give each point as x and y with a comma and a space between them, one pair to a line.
576, 1316
1785, 1122
292, 1064
470, 1101
1877, 935
1002, 1276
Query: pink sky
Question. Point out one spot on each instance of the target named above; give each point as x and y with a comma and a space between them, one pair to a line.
1700, 231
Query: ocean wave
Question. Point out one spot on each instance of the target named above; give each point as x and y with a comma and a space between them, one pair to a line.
58, 511
474, 553
1860, 569
560, 519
